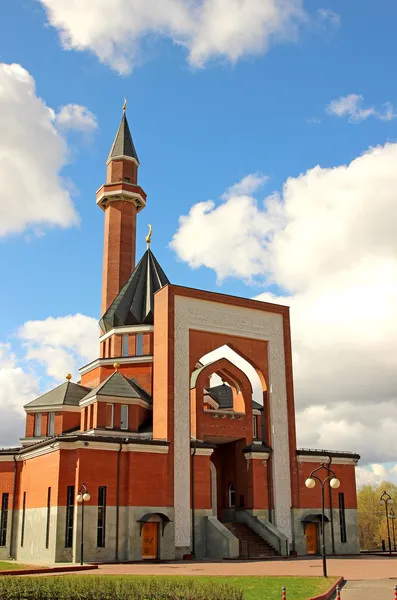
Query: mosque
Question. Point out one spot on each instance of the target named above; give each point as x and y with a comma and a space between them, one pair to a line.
158, 451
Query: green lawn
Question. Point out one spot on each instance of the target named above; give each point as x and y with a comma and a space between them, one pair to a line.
10, 566
269, 588
258, 588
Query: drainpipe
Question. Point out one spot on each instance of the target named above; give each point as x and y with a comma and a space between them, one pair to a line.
193, 520
14, 493
116, 553
331, 511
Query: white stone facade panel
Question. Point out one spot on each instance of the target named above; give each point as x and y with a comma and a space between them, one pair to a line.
191, 313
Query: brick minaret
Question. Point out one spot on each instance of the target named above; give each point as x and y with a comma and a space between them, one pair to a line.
121, 198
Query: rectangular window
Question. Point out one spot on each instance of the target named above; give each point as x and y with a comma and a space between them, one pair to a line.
51, 422
4, 520
101, 527
124, 345
124, 416
37, 425
109, 416
139, 344
254, 427
47, 530
69, 517
342, 519
23, 519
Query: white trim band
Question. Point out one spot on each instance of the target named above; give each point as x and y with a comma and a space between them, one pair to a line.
127, 329
100, 362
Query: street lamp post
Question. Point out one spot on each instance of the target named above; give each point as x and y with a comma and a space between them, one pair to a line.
83, 496
387, 500
392, 516
334, 483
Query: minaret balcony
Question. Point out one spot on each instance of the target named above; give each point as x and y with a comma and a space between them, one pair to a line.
128, 192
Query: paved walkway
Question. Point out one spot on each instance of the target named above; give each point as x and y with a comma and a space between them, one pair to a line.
382, 589
352, 569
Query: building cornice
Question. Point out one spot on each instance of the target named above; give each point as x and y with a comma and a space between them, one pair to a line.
115, 400
122, 360
201, 451
120, 433
52, 409
85, 443
321, 458
126, 329
256, 455
122, 157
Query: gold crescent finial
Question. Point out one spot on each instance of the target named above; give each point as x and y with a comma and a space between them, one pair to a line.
116, 366
68, 377
149, 236
125, 105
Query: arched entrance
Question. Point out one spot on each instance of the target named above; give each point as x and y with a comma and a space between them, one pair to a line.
152, 527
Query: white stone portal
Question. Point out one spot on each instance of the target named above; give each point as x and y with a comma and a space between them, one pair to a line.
203, 315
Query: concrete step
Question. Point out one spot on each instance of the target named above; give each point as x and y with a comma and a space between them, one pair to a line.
252, 545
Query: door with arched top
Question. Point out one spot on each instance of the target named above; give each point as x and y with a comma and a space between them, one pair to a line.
150, 541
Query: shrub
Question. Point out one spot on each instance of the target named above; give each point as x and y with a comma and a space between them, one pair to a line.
114, 588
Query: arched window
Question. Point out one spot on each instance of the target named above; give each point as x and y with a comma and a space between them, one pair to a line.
232, 496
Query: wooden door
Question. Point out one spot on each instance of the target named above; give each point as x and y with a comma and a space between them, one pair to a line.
150, 540
311, 538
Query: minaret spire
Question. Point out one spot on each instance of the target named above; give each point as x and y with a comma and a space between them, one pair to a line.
121, 198
123, 146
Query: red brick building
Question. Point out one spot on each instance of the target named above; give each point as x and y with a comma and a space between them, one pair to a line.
173, 464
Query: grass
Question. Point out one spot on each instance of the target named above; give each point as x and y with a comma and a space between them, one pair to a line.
100, 586
256, 588
117, 588
10, 566
269, 588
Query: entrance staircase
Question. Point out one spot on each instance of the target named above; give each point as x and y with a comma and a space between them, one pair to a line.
251, 544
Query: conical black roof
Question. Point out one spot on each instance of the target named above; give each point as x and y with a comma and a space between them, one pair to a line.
123, 144
134, 304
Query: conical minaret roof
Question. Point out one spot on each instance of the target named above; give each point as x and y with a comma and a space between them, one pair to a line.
123, 144
134, 304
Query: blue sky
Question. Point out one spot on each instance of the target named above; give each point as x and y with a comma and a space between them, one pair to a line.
197, 131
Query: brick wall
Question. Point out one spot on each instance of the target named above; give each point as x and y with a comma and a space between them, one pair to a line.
311, 498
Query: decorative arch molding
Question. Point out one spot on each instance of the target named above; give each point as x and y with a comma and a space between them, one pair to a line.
242, 399
241, 361
248, 320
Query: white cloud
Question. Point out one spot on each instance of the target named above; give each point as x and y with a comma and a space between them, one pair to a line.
60, 344
208, 29
328, 241
32, 155
77, 118
375, 474
329, 16
17, 387
53, 347
352, 106
248, 185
